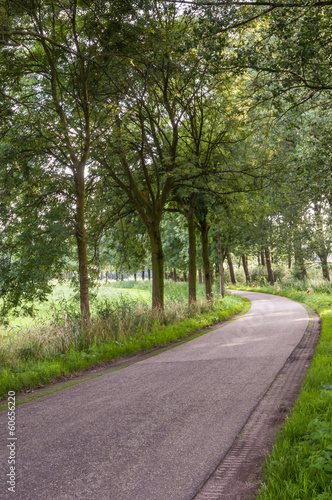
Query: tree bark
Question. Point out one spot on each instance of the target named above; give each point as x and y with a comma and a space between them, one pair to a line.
135, 276
325, 266
149, 274
269, 266
299, 262
81, 242
322, 250
204, 228
221, 267
245, 267
192, 255
231, 268
175, 278
143, 273
157, 267
200, 278
262, 257
184, 277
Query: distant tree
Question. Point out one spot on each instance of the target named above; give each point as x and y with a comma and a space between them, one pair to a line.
125, 246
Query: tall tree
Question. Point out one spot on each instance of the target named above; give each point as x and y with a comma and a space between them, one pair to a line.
57, 52
162, 143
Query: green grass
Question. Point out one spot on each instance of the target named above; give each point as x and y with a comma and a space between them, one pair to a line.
120, 327
64, 299
300, 464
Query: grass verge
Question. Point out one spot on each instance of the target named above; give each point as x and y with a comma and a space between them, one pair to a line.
300, 464
35, 365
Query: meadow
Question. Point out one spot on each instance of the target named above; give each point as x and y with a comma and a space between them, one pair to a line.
49, 341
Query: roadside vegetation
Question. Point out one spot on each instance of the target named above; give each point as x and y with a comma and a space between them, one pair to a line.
300, 464
55, 342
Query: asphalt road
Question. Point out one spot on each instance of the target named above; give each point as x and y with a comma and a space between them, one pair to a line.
157, 429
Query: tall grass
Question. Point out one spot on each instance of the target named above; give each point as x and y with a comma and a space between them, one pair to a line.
112, 320
119, 327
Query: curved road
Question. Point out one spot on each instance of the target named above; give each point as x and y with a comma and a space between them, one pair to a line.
158, 428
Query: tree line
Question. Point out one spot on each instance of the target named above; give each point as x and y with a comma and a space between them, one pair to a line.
118, 118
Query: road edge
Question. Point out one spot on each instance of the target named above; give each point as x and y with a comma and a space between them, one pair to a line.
238, 475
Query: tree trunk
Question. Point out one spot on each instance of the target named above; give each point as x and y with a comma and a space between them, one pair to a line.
116, 276
143, 273
174, 275
231, 268
135, 276
165, 275
200, 278
184, 277
269, 266
81, 242
106, 276
204, 228
325, 266
321, 251
149, 273
157, 267
258, 260
221, 267
245, 267
289, 262
262, 257
299, 262
192, 256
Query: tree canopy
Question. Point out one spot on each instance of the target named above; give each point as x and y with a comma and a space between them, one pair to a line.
114, 114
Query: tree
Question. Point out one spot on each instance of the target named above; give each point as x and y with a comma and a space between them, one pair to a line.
59, 95
124, 246
175, 242
162, 145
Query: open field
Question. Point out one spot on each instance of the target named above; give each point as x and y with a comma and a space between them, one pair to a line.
54, 342
65, 299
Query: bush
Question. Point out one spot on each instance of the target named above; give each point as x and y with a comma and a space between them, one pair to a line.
259, 275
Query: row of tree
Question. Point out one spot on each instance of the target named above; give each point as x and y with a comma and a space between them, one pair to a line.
113, 115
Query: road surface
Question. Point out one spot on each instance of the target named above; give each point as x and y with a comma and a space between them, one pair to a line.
157, 429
